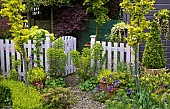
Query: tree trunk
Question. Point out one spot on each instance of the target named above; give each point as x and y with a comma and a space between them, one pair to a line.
25, 64
52, 21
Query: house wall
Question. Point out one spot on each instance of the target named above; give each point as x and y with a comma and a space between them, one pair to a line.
159, 4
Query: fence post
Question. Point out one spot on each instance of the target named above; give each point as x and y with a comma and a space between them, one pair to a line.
92, 42
47, 45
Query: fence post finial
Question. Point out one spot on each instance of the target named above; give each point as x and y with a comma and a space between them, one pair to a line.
47, 36
93, 40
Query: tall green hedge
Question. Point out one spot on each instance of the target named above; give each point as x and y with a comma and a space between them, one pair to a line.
22, 97
153, 56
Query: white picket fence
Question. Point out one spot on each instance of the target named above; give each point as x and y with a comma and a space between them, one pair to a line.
113, 51
7, 49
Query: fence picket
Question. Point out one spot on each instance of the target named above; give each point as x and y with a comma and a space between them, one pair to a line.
74, 48
7, 48
114, 52
127, 55
122, 52
115, 56
103, 54
109, 56
2, 55
12, 48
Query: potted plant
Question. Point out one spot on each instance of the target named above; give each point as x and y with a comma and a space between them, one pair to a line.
153, 57
36, 76
105, 78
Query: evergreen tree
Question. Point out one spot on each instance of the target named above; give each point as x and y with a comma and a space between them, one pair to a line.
153, 56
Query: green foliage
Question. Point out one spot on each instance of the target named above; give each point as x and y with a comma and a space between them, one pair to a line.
13, 75
12, 10
153, 56
59, 44
137, 10
30, 4
107, 76
23, 97
57, 59
89, 84
53, 83
98, 9
118, 32
36, 74
1, 77
82, 63
58, 98
162, 17
15, 65
100, 96
5, 98
121, 100
98, 59
38, 35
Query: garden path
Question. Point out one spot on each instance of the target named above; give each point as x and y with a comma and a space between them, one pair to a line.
84, 99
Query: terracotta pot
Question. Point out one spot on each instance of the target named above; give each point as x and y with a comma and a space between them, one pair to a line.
37, 83
111, 92
102, 85
153, 71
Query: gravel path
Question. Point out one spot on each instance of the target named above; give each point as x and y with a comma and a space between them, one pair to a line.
85, 101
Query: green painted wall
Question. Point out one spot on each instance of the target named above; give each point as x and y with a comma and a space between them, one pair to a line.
91, 30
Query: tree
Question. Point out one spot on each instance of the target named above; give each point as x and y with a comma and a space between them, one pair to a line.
12, 9
99, 11
137, 9
70, 19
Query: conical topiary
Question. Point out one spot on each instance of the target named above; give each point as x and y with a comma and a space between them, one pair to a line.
153, 56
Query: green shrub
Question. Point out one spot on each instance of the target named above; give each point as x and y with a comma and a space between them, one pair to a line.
15, 66
82, 63
13, 75
57, 59
23, 97
58, 98
36, 74
153, 56
86, 69
100, 96
89, 84
5, 98
53, 83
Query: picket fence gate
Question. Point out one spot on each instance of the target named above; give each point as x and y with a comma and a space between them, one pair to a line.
124, 52
7, 50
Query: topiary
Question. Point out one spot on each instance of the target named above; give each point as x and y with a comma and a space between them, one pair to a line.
153, 56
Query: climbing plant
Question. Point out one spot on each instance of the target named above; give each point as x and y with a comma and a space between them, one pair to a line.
162, 17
